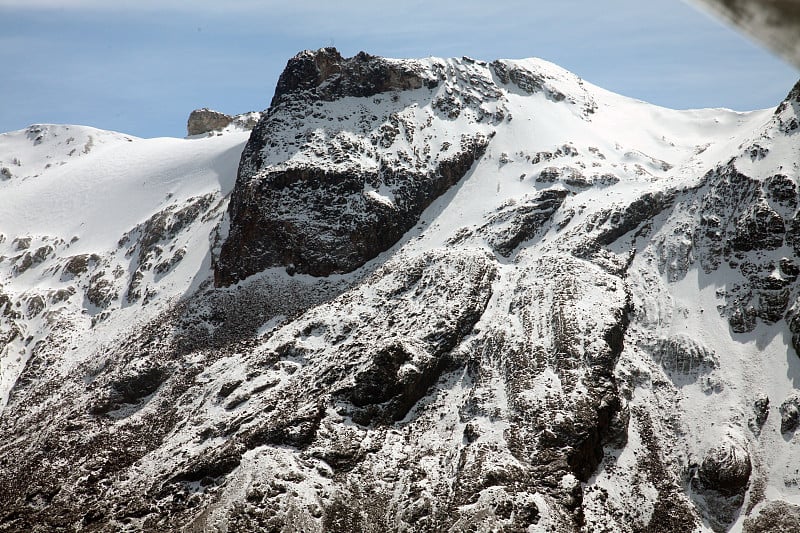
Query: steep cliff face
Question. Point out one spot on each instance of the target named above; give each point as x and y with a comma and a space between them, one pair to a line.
436, 295
347, 157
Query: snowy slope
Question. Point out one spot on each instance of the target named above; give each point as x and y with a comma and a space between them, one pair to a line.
591, 328
81, 206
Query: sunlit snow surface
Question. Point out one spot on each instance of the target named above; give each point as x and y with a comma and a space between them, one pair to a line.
84, 202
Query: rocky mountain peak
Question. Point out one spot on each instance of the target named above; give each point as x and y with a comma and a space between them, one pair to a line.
320, 199
444, 295
325, 74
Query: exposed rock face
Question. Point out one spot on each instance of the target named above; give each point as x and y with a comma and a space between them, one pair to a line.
329, 76
318, 221
790, 414
340, 197
682, 355
742, 218
726, 468
205, 120
774, 516
515, 223
501, 326
761, 411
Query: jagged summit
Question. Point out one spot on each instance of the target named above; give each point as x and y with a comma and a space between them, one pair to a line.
328, 75
404, 132
421, 295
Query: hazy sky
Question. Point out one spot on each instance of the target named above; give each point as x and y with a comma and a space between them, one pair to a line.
141, 66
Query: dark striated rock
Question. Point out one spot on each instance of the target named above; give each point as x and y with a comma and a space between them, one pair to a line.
760, 228
632, 216
790, 414
386, 380
129, 388
101, 290
320, 222
722, 481
568, 175
528, 81
209, 467
323, 214
79, 264
761, 411
727, 187
782, 190
743, 219
36, 305
549, 175
21, 243
516, 222
742, 318
683, 355
773, 517
726, 468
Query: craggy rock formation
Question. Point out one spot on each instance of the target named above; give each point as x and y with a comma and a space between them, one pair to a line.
329, 76
440, 296
341, 196
774, 516
207, 121
318, 221
790, 414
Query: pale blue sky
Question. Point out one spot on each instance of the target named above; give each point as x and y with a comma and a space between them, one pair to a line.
141, 66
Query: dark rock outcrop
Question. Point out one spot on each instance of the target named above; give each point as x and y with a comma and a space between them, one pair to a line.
682, 355
527, 81
742, 219
208, 121
726, 468
324, 216
722, 480
774, 516
761, 412
319, 222
328, 76
790, 414
516, 222
205, 120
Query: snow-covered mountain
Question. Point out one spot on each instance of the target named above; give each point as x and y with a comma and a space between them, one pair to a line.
421, 295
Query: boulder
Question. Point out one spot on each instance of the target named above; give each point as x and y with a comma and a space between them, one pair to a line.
790, 414
726, 467
205, 120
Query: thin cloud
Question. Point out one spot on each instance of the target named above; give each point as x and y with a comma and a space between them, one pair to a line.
194, 6
272, 9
